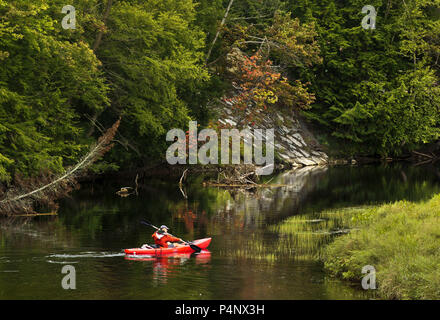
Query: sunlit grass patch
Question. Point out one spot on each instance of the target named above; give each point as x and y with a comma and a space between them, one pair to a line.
401, 240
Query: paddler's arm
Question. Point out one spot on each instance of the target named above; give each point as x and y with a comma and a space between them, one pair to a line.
170, 238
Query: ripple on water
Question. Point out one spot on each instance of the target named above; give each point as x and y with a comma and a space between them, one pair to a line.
87, 255
62, 262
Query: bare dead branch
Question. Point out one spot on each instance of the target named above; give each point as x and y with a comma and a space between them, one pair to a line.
219, 29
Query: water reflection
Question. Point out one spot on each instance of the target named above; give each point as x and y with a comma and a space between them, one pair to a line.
291, 221
167, 266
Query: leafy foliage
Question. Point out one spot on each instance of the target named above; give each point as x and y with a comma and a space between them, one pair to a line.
152, 55
259, 88
46, 84
149, 60
377, 89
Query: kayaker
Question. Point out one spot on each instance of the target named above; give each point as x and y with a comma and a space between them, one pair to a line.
163, 239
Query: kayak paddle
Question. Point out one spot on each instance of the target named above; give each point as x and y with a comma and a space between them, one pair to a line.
193, 246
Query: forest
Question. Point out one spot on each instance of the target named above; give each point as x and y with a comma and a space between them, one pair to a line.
158, 64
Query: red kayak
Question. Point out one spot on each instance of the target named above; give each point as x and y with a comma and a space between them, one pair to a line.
172, 259
201, 243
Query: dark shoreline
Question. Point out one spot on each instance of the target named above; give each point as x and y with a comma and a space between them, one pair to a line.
166, 171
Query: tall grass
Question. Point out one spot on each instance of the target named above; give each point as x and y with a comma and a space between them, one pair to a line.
401, 240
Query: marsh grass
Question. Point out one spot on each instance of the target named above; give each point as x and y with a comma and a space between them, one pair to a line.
401, 240
298, 238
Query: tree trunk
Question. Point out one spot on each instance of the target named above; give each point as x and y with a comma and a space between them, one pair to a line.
21, 199
95, 48
219, 29
101, 32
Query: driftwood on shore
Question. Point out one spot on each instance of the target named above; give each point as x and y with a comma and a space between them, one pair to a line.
37, 214
243, 176
245, 186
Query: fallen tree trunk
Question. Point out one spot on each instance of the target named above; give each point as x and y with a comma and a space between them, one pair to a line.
46, 188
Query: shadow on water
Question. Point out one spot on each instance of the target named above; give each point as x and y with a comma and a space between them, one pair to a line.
266, 243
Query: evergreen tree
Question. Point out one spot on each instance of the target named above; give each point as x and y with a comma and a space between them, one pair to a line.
46, 83
377, 89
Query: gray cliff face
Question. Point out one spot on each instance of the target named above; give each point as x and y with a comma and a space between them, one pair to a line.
295, 145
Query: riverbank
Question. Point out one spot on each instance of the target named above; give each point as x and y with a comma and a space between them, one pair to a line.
401, 240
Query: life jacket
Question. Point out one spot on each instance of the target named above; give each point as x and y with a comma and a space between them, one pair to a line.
162, 239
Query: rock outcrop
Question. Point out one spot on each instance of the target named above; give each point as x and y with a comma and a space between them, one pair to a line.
295, 145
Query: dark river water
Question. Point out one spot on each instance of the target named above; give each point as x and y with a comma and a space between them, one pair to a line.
265, 244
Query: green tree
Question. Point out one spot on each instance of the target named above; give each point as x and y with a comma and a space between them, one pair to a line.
152, 53
46, 83
377, 89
